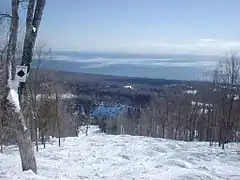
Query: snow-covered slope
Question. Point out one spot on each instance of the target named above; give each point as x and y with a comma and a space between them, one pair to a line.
124, 157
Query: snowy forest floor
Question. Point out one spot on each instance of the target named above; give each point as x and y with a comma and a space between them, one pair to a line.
99, 156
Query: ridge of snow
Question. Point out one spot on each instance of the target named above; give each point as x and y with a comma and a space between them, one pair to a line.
124, 157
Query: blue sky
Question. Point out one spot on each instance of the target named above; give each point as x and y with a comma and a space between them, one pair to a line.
142, 26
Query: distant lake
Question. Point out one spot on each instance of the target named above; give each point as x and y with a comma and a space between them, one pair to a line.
165, 67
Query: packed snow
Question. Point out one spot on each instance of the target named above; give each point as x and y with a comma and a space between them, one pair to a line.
124, 157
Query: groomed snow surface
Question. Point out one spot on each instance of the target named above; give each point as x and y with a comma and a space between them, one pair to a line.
123, 157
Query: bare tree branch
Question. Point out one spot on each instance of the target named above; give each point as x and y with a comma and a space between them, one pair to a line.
5, 15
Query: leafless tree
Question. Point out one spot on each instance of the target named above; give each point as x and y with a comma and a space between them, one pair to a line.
226, 82
33, 21
32, 89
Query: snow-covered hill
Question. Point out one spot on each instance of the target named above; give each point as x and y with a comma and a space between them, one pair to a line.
124, 157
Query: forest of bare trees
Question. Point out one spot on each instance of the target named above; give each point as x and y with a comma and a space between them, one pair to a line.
30, 111
212, 114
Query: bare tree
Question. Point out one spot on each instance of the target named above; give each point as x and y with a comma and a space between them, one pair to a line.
32, 89
10, 88
27, 156
226, 81
33, 19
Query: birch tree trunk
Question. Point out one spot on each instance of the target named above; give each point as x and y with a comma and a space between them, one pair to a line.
26, 148
19, 128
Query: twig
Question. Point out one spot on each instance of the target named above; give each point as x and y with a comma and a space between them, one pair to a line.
5, 15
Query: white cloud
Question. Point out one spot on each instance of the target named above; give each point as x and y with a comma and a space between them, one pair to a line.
207, 40
202, 46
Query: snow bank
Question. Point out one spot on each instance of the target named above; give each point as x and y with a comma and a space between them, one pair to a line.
124, 157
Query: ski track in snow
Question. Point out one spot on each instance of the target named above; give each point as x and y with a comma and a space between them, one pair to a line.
123, 157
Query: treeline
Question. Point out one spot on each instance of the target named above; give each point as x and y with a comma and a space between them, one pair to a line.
212, 114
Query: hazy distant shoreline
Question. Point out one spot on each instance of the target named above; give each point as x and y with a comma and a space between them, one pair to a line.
179, 67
